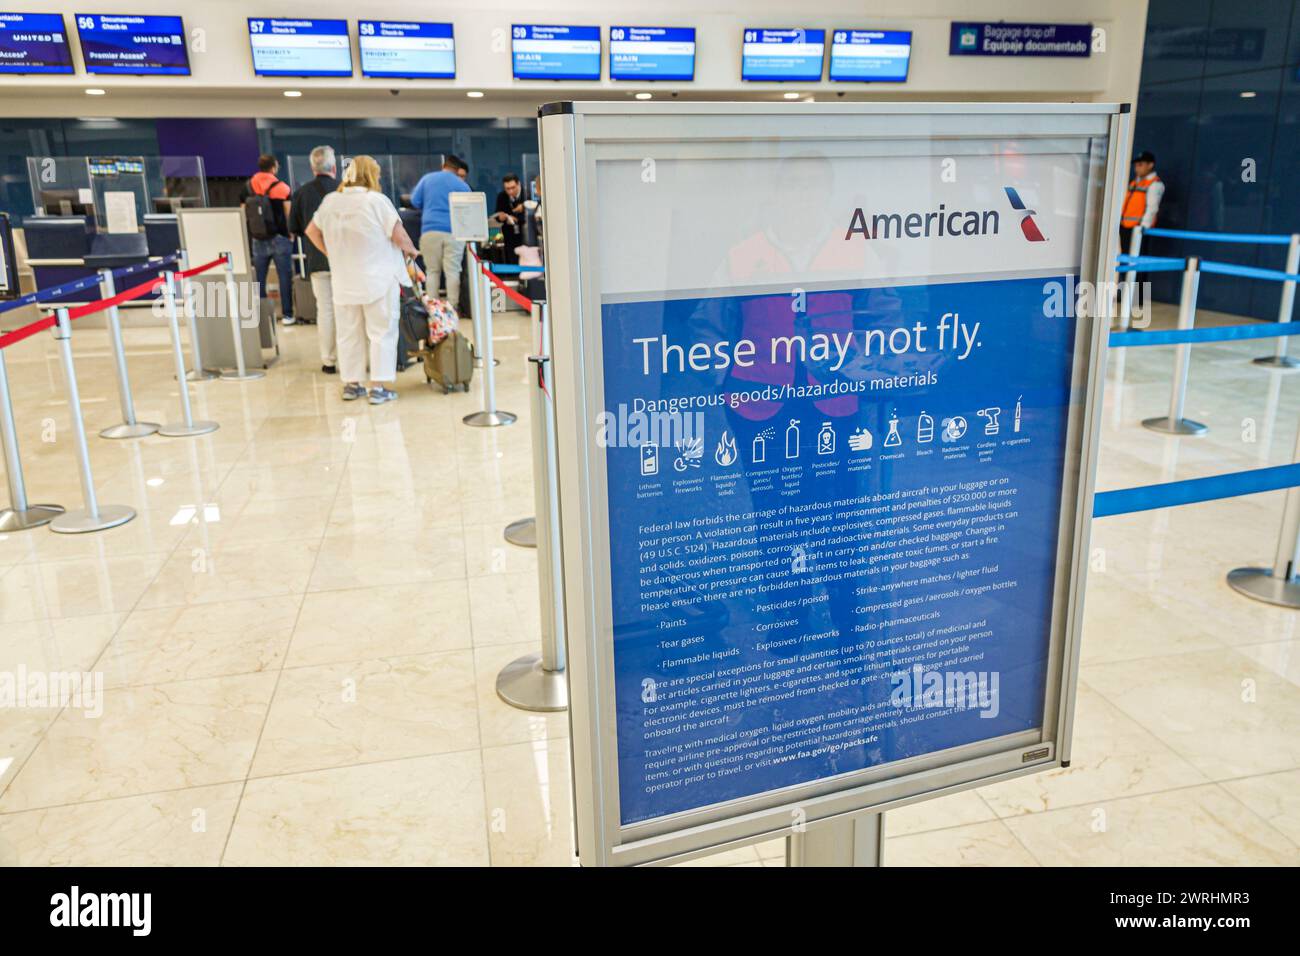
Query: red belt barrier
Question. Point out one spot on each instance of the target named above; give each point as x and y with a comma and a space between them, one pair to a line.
27, 331
135, 292
185, 274
518, 297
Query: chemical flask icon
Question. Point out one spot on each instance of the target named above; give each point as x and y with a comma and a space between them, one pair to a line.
893, 439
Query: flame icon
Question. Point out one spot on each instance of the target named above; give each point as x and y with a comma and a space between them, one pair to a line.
726, 453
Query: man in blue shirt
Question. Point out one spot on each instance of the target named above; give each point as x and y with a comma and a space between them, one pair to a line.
441, 252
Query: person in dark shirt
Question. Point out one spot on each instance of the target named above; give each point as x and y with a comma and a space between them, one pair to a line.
302, 207
277, 248
510, 213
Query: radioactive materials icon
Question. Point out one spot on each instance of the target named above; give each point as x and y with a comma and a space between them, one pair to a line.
954, 429
689, 453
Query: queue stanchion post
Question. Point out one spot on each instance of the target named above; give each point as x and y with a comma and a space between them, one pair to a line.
241, 372
1130, 282
1280, 584
94, 516
1175, 423
475, 307
1279, 358
187, 426
198, 373
537, 682
523, 533
490, 416
21, 513
129, 427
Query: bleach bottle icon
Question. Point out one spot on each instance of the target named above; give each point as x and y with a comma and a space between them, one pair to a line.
924, 429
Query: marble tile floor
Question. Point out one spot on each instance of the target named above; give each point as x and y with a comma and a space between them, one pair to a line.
300, 633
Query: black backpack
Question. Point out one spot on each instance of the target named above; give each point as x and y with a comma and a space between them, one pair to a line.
413, 328
259, 213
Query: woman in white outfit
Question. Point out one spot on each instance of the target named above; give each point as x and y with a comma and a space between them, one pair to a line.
361, 232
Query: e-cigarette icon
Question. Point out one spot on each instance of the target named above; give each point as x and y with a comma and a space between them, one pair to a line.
649, 460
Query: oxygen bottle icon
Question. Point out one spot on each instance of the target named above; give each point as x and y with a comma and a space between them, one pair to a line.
792, 439
924, 429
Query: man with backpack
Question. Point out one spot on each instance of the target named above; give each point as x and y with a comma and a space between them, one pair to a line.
302, 207
265, 201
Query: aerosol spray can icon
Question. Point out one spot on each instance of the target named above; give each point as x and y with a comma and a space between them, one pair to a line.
792, 439
924, 429
760, 449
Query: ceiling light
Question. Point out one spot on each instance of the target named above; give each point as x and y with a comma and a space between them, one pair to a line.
293, 93
1248, 95
644, 96
475, 94
95, 91
791, 96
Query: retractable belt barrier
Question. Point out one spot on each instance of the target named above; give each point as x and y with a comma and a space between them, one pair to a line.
480, 300
1279, 584
93, 516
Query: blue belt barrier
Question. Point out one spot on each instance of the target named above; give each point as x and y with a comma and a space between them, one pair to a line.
1149, 264
1193, 490
502, 269
1224, 333
79, 285
1250, 272
1265, 239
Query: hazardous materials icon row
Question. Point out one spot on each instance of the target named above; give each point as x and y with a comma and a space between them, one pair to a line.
690, 451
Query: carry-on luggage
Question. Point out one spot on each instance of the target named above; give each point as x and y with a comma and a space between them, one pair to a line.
450, 363
304, 297
412, 329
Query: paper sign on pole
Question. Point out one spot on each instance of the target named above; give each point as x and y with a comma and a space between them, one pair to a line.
825, 466
469, 216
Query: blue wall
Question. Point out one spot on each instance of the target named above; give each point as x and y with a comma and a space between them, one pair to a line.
492, 147
1201, 57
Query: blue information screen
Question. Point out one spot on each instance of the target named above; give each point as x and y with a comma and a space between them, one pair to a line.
34, 43
870, 55
1020, 39
555, 52
407, 50
118, 43
300, 47
793, 56
847, 557
652, 53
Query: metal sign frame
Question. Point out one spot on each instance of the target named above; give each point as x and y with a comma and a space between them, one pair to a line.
574, 136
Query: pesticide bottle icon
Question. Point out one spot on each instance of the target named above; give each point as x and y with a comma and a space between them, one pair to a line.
893, 439
924, 429
826, 440
792, 439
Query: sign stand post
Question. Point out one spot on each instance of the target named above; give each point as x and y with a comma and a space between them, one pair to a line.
855, 841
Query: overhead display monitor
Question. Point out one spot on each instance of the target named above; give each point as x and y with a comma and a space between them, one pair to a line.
865, 56
402, 49
34, 43
652, 53
126, 43
300, 47
555, 52
791, 56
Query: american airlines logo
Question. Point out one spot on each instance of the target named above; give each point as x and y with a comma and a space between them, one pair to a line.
1027, 224
941, 223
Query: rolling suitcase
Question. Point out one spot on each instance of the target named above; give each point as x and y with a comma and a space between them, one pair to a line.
450, 363
304, 297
